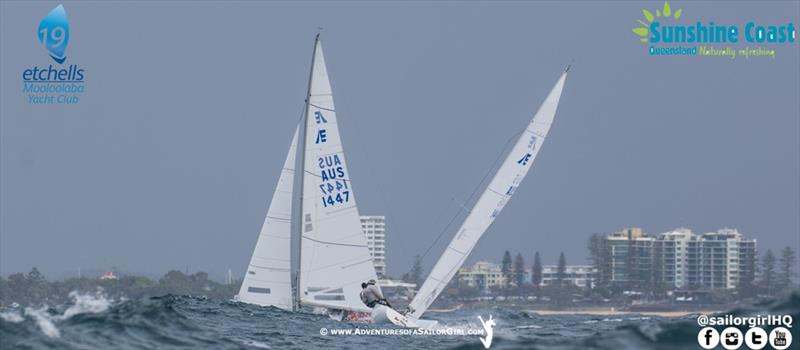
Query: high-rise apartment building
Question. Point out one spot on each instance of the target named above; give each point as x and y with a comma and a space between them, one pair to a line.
679, 259
374, 228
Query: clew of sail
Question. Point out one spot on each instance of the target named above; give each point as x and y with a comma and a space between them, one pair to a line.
268, 278
491, 202
334, 258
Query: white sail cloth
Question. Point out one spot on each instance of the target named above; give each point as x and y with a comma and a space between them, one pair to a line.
491, 202
268, 278
334, 258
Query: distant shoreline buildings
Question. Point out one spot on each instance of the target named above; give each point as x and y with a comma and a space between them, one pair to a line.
374, 228
632, 259
678, 259
582, 276
485, 275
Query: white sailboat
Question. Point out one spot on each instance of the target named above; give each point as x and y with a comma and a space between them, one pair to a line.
333, 257
502, 186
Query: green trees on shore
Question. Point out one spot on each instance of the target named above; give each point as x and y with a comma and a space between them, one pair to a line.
34, 289
777, 273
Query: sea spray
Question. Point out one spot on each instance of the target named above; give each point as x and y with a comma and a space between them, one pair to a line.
184, 322
12, 316
46, 317
44, 321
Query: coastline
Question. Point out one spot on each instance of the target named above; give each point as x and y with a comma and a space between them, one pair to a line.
610, 311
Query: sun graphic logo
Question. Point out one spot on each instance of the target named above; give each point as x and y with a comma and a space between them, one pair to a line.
666, 12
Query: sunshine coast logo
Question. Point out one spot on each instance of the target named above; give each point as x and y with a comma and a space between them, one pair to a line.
54, 84
666, 35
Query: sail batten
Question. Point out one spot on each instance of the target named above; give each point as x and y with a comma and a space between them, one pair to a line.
267, 281
493, 199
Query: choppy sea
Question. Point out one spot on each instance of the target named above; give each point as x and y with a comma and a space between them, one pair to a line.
91, 321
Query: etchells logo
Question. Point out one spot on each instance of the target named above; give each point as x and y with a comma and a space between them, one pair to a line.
59, 83
666, 34
54, 33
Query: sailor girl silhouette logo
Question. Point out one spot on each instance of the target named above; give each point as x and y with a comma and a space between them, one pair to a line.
488, 331
54, 33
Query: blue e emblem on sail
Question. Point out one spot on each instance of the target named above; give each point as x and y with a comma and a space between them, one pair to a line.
320, 119
54, 33
524, 160
322, 136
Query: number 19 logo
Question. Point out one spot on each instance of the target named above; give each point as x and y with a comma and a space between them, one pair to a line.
54, 33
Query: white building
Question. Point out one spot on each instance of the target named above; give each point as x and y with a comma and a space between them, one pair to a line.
578, 275
374, 228
483, 275
676, 248
727, 259
680, 259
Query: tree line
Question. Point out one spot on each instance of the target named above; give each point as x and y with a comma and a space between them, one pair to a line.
34, 289
773, 276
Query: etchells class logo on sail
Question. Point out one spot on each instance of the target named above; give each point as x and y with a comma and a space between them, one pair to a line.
667, 32
57, 82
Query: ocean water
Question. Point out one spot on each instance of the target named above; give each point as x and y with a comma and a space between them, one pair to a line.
91, 321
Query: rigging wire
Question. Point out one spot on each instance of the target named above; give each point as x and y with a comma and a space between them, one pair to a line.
474, 191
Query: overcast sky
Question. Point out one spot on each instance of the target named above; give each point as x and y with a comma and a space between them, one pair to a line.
171, 156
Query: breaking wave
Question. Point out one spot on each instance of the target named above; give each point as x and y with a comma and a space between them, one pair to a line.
92, 321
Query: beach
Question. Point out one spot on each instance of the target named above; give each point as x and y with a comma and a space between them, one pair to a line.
610, 311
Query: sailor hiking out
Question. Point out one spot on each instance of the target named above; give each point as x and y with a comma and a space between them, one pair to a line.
371, 295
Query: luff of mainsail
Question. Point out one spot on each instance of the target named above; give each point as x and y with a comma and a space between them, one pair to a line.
491, 202
268, 278
334, 258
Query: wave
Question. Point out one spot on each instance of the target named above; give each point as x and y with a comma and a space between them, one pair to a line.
93, 321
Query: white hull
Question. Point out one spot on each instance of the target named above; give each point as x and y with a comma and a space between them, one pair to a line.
384, 314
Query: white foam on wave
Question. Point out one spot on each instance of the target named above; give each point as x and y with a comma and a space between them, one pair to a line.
11, 316
89, 303
44, 320
528, 326
256, 344
86, 304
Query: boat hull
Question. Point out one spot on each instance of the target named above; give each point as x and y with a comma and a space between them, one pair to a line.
384, 314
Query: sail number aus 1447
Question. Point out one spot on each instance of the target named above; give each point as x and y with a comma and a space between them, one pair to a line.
334, 187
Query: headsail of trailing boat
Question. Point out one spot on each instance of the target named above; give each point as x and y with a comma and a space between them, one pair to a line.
268, 278
490, 203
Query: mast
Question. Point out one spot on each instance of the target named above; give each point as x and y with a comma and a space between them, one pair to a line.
303, 170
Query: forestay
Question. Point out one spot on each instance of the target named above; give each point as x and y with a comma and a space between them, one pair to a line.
491, 202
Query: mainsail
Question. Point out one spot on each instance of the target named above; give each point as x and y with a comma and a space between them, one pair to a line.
268, 278
491, 202
334, 258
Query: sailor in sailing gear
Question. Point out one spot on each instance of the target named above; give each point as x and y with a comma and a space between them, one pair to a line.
363, 295
371, 295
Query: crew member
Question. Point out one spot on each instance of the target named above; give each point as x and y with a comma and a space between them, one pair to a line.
371, 295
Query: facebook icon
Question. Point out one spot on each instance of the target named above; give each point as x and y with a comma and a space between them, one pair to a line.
708, 338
